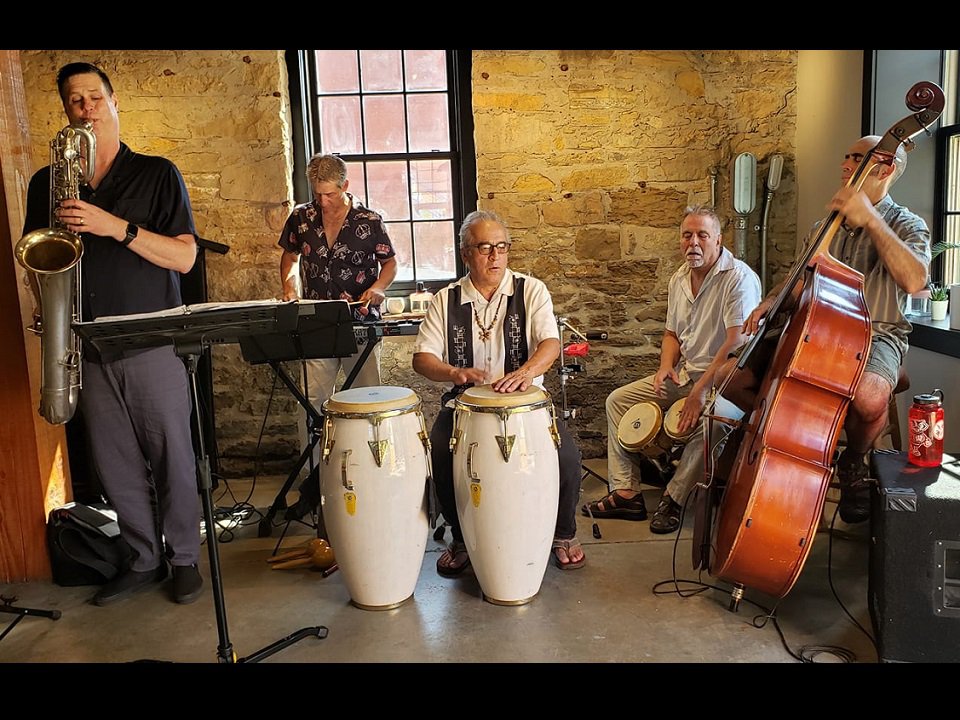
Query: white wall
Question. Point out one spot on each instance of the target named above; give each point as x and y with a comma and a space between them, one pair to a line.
829, 109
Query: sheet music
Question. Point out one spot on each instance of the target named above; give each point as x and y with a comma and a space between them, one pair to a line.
195, 308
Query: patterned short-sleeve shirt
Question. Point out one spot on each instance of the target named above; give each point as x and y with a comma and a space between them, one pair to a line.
351, 265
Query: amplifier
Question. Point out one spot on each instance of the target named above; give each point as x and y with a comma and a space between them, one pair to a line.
914, 580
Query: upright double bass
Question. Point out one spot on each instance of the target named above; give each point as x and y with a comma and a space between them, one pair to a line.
771, 505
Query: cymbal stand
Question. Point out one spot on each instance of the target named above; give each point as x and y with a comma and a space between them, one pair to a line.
566, 371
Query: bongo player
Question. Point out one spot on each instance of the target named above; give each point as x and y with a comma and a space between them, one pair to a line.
708, 299
493, 326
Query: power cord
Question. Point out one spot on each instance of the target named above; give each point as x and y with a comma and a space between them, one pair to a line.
242, 512
806, 653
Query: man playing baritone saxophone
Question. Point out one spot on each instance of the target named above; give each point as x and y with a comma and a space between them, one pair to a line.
137, 228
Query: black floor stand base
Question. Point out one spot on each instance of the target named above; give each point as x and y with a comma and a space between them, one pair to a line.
8, 606
225, 651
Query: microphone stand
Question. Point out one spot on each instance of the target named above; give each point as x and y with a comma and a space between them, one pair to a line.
570, 413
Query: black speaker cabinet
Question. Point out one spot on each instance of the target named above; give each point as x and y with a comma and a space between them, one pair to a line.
914, 582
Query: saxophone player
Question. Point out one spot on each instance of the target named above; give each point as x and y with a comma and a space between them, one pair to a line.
136, 225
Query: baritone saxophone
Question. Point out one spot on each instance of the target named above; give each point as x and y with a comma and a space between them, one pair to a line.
52, 255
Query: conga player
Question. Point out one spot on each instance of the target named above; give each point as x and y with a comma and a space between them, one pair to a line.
493, 326
708, 299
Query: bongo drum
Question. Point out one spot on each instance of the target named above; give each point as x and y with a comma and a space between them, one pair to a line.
640, 430
671, 423
373, 491
506, 477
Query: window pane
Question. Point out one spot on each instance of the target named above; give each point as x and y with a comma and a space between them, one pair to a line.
384, 124
340, 125
389, 189
432, 189
381, 70
400, 238
429, 122
435, 250
337, 71
358, 182
426, 69
951, 258
953, 173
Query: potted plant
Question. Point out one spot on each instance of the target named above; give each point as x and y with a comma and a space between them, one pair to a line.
938, 301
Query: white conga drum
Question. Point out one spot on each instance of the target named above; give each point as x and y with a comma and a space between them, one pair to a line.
506, 477
373, 491
640, 430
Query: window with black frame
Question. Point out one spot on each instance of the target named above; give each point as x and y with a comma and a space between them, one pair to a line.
945, 270
402, 122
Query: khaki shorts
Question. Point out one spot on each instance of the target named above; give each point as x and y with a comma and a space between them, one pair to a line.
884, 360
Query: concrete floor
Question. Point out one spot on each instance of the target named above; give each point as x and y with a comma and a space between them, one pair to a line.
622, 607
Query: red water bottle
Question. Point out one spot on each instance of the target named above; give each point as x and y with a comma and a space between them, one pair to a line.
926, 430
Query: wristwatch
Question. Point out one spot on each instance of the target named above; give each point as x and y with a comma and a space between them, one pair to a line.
132, 231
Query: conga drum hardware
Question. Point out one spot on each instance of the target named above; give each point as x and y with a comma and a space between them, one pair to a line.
507, 487
378, 447
378, 495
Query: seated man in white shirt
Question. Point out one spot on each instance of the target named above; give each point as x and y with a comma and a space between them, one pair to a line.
485, 304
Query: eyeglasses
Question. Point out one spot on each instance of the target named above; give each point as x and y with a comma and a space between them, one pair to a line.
487, 248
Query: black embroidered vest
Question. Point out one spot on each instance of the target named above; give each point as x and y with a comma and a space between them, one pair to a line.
460, 333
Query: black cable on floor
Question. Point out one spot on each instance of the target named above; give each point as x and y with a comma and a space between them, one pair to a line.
807, 653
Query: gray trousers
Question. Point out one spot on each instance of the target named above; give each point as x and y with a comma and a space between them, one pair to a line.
138, 414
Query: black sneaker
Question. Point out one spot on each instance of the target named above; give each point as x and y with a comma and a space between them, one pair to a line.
187, 583
854, 491
130, 582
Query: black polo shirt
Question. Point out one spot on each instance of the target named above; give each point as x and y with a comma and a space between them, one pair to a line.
145, 190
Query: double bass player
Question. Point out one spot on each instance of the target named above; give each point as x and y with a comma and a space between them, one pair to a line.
890, 246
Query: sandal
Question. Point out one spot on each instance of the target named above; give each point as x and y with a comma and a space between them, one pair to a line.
453, 560
567, 546
616, 506
666, 519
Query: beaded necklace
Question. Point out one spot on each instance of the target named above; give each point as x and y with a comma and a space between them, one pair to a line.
485, 331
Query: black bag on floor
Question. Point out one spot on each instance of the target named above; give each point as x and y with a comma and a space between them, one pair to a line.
85, 546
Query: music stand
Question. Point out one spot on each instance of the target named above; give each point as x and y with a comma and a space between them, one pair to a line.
324, 330
190, 330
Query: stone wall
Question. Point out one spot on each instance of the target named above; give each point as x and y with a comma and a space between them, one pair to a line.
588, 155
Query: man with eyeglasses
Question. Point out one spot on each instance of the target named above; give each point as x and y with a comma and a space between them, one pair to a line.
479, 310
890, 245
708, 299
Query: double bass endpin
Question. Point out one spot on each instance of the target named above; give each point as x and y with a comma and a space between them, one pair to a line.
736, 595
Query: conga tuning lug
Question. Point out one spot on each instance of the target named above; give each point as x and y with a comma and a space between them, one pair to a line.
348, 484
327, 440
425, 440
470, 472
